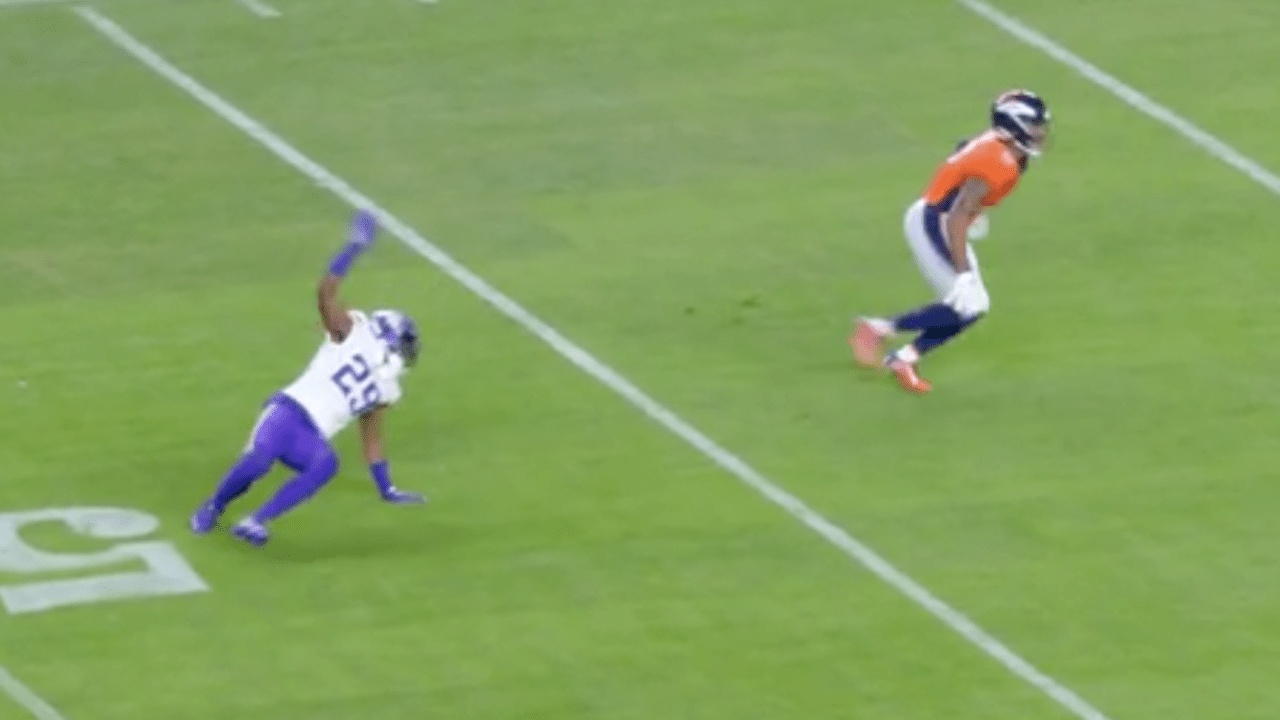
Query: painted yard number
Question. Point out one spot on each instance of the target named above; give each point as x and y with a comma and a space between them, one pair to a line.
166, 573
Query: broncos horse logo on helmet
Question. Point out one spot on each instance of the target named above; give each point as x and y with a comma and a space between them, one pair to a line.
1021, 117
399, 331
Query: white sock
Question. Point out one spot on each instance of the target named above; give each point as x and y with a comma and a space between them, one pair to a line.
908, 354
880, 325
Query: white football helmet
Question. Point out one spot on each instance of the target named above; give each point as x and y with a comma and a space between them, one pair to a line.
399, 331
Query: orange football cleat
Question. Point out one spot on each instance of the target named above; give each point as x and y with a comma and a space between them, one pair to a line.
907, 377
865, 342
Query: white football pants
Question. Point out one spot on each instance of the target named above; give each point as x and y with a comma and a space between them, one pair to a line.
927, 238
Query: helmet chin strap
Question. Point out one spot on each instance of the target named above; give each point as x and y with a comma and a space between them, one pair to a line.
1033, 150
1008, 136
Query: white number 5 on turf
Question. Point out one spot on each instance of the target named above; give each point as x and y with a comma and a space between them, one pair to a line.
166, 573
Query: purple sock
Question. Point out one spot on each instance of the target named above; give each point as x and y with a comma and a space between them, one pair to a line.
268, 440
248, 469
935, 315
283, 432
300, 488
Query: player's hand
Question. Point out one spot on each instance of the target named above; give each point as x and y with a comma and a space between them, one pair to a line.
403, 497
364, 226
967, 297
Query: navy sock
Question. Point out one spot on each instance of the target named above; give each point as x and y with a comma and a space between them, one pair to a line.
935, 336
935, 315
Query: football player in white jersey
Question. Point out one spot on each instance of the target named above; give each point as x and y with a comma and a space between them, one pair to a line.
353, 376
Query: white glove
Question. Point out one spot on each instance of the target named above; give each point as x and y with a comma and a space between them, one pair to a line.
979, 228
967, 297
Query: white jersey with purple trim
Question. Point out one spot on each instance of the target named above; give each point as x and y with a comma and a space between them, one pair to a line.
347, 379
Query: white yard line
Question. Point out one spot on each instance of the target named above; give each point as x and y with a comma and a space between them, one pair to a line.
852, 547
259, 8
15, 3
22, 695
1132, 97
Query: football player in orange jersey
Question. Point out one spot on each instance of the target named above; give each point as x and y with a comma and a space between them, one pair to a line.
977, 176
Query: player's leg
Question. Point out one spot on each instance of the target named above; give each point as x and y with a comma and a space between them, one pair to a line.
266, 442
934, 331
931, 256
936, 322
937, 327
934, 335
316, 463
931, 338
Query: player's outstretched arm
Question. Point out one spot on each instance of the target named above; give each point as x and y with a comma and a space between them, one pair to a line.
333, 314
371, 441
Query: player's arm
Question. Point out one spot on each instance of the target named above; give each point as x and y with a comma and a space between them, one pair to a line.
967, 206
379, 470
371, 435
333, 314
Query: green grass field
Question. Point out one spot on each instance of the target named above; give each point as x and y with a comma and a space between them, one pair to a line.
701, 194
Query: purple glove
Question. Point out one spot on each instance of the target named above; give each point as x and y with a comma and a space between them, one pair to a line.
359, 238
364, 226
382, 478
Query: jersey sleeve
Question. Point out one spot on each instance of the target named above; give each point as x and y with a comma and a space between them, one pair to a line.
994, 166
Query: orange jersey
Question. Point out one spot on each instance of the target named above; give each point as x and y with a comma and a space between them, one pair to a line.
985, 157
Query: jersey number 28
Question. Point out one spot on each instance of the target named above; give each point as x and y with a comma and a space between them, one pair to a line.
355, 381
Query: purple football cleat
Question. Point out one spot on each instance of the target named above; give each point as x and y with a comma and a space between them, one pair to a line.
251, 531
205, 518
